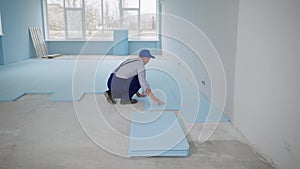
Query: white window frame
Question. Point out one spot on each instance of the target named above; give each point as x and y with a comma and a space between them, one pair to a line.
83, 26
131, 9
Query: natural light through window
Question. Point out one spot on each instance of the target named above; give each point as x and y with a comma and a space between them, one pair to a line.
96, 19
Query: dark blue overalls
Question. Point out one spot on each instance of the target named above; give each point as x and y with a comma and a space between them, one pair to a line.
123, 88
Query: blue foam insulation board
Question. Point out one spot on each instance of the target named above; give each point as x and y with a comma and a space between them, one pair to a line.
157, 134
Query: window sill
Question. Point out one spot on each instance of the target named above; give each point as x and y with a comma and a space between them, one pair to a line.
144, 40
100, 40
76, 40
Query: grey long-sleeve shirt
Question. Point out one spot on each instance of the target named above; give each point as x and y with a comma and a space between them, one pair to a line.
132, 67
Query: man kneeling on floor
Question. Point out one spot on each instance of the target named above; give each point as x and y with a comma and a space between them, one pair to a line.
128, 78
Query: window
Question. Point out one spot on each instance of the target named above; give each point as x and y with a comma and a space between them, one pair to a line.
96, 19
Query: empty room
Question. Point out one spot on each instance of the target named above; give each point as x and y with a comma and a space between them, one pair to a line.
196, 84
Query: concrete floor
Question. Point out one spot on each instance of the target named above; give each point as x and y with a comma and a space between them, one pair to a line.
36, 133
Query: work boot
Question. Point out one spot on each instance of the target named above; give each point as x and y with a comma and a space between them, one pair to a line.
109, 98
131, 101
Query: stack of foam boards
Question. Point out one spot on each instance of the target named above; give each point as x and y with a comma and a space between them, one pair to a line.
157, 134
120, 42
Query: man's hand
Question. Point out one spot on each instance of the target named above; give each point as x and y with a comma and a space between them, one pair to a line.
138, 94
157, 101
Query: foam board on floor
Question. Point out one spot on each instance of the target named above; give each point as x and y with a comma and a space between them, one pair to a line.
165, 88
66, 96
157, 134
104, 70
56, 77
203, 110
170, 153
171, 102
11, 94
53, 76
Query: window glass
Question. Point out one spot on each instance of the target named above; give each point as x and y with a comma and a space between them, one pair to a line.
130, 22
130, 3
56, 21
111, 14
93, 20
74, 26
73, 3
85, 19
148, 19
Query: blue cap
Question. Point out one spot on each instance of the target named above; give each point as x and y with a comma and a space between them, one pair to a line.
146, 53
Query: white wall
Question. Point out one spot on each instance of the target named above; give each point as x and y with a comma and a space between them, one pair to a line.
1, 32
218, 20
267, 80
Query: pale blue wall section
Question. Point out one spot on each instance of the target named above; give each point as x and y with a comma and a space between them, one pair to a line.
1, 51
17, 16
99, 47
80, 47
218, 20
136, 46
